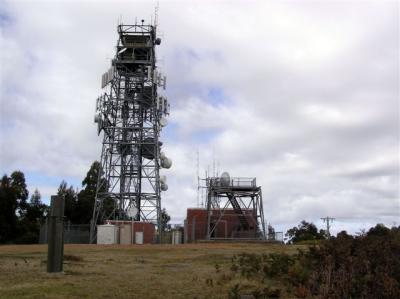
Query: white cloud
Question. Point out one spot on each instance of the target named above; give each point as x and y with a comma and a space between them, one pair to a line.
309, 98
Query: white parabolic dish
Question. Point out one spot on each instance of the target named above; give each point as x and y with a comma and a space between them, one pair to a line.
132, 211
225, 179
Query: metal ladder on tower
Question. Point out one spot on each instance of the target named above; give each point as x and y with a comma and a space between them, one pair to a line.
238, 210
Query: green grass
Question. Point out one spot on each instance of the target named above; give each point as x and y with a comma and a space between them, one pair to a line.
146, 271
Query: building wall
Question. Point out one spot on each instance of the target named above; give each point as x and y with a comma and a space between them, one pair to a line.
147, 228
227, 227
196, 224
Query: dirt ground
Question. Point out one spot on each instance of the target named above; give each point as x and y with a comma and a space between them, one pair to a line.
123, 271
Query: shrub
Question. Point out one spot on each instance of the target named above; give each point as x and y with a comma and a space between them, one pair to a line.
365, 266
234, 292
249, 264
277, 264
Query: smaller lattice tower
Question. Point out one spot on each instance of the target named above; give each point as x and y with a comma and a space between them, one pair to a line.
131, 114
240, 196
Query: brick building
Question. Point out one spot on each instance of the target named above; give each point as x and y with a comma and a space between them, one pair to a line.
228, 225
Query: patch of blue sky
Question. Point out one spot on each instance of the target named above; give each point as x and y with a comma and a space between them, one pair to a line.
170, 132
35, 179
187, 58
213, 95
5, 18
6, 125
216, 96
180, 88
48, 185
182, 91
204, 136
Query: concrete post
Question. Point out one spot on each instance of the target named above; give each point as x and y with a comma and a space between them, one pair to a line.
55, 237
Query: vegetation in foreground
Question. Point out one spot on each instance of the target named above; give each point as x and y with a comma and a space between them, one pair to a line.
123, 271
366, 266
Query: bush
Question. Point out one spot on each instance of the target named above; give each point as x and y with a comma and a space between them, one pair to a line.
248, 264
276, 264
366, 266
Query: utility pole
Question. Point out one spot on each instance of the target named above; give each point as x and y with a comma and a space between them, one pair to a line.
328, 221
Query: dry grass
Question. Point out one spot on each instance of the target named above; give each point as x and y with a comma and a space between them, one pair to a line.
137, 271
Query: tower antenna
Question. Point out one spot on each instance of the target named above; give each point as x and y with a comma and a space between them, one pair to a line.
156, 8
328, 221
131, 114
198, 178
213, 163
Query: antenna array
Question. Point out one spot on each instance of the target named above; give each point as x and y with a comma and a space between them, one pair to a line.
131, 115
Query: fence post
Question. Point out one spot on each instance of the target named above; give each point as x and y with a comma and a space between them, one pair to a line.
46, 231
185, 231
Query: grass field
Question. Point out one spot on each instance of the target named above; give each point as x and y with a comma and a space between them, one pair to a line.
137, 271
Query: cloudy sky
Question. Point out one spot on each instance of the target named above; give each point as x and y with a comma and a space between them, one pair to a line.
303, 95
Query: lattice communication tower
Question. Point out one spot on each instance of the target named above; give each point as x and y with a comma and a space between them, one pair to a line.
131, 115
240, 195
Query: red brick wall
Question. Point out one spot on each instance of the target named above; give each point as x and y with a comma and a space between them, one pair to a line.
227, 227
148, 230
196, 221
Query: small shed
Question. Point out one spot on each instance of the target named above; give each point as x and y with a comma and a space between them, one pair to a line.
134, 232
107, 234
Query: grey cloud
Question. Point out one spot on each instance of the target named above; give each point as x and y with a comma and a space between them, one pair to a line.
311, 97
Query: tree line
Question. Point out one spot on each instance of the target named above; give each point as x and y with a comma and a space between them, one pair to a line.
21, 216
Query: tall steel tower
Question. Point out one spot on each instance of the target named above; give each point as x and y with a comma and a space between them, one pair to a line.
131, 115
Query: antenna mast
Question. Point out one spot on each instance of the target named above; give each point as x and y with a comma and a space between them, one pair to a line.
156, 8
131, 114
213, 163
198, 178
328, 221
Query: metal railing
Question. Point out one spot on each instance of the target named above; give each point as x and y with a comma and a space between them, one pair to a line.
233, 182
